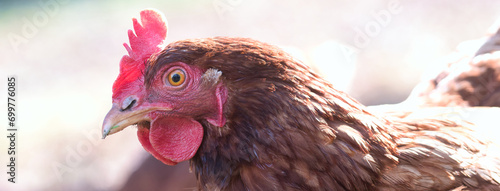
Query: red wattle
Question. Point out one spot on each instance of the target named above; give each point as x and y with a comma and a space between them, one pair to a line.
172, 140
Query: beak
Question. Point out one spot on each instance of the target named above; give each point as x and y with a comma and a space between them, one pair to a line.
118, 119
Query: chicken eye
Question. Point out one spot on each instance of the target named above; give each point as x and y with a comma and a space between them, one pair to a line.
176, 77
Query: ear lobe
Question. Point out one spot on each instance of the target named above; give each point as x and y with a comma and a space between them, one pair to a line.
218, 118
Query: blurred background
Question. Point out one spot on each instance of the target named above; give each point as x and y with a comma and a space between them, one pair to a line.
65, 56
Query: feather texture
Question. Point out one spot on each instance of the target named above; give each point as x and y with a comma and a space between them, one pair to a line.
288, 129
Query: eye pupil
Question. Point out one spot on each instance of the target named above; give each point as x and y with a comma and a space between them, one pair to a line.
176, 78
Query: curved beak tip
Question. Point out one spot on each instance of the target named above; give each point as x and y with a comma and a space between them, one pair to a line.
112, 121
107, 130
104, 134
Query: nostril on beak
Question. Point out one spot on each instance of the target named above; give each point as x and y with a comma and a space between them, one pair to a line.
128, 103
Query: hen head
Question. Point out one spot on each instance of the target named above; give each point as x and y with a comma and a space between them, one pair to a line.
167, 108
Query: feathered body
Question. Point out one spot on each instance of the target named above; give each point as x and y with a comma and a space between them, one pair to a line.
469, 78
288, 129
276, 125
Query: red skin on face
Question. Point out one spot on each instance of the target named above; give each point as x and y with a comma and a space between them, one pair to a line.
175, 136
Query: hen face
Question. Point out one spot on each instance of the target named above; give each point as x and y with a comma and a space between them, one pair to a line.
168, 108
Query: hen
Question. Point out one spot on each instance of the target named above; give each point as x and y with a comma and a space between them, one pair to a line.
250, 117
470, 78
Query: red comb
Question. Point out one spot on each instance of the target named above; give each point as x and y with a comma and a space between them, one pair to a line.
147, 40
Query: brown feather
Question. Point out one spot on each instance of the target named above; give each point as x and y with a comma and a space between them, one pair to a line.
288, 129
469, 79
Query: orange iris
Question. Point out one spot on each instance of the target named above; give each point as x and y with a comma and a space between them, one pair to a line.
176, 77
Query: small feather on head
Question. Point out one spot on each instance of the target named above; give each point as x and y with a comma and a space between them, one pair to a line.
147, 40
